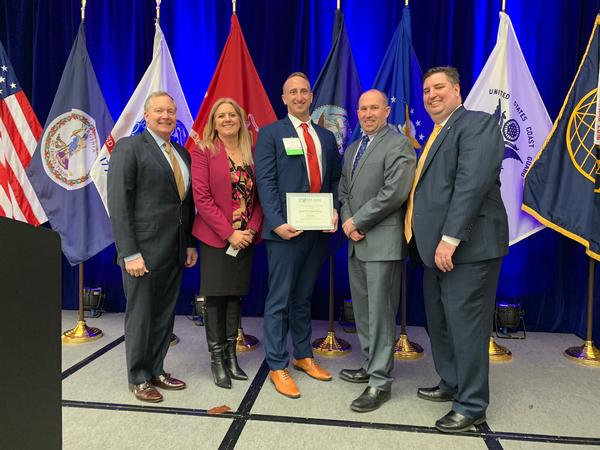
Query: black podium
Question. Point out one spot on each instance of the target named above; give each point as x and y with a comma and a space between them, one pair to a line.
30, 326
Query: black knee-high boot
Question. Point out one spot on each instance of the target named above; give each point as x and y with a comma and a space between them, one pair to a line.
214, 322
232, 320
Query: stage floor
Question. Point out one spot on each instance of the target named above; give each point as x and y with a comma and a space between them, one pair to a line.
539, 400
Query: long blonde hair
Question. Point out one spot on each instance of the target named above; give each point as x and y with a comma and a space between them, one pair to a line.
243, 137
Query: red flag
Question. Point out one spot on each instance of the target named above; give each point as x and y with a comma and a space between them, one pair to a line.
19, 134
235, 77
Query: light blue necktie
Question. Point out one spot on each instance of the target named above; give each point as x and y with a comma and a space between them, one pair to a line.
361, 152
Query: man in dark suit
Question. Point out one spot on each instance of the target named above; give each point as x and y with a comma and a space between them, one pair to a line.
151, 212
376, 179
457, 222
293, 155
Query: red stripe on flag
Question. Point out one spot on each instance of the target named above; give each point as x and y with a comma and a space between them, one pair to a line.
21, 198
30, 116
14, 135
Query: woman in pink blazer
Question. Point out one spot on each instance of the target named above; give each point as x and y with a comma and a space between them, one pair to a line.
227, 224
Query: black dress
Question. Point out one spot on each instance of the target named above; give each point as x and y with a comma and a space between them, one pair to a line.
221, 274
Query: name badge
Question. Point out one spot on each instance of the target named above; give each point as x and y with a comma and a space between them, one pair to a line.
293, 146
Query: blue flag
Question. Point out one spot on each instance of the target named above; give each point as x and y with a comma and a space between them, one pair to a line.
400, 78
77, 125
562, 186
336, 91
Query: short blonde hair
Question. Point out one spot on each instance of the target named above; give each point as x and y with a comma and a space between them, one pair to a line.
210, 132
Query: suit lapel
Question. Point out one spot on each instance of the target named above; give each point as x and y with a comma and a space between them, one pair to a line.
290, 131
440, 139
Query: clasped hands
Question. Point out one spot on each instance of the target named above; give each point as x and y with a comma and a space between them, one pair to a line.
241, 239
351, 231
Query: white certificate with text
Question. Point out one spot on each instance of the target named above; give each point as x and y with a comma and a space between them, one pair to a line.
310, 211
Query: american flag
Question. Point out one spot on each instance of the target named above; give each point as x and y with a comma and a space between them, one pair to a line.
19, 134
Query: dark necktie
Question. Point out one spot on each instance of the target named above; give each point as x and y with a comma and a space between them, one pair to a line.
313, 160
361, 152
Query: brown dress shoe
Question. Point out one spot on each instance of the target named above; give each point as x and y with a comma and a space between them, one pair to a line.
310, 366
166, 381
284, 383
146, 392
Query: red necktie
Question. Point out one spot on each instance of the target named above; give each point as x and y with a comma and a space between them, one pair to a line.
313, 161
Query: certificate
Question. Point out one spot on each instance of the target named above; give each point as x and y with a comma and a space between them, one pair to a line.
312, 211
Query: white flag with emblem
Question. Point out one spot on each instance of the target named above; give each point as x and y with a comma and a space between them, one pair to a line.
505, 89
160, 76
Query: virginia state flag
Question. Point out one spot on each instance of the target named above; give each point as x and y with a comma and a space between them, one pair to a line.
337, 89
59, 170
235, 77
562, 187
159, 76
400, 78
505, 89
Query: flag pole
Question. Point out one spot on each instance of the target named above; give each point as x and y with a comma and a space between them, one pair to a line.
338, 4
174, 337
81, 333
587, 353
404, 348
234, 6
497, 352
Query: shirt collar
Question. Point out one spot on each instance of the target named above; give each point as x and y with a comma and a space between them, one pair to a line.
448, 118
159, 141
297, 122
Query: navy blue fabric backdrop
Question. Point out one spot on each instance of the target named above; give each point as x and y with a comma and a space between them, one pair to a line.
547, 273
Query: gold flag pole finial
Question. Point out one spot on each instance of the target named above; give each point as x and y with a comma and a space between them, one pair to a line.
83, 2
405, 2
158, 11
233, 4
503, 5
338, 4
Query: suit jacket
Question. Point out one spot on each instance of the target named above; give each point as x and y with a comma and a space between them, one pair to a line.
277, 173
374, 197
211, 183
146, 213
458, 193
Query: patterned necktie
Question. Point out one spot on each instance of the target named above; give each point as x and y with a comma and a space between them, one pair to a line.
409, 204
313, 160
176, 170
360, 153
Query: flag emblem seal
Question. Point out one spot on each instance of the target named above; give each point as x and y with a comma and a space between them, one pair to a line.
69, 148
580, 137
335, 119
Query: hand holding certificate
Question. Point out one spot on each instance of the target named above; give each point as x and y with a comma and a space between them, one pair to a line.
310, 211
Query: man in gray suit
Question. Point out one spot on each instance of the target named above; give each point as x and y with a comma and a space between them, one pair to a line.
151, 212
376, 180
457, 223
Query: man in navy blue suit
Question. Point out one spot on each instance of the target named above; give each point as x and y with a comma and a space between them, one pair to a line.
293, 155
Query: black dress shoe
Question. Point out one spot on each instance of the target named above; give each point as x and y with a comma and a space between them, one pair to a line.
434, 394
354, 375
371, 399
454, 422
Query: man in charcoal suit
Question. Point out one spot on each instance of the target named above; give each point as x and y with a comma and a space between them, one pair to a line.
151, 212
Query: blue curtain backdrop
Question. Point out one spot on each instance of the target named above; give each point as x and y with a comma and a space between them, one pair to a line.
546, 273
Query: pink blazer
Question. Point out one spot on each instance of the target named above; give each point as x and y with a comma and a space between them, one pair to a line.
211, 184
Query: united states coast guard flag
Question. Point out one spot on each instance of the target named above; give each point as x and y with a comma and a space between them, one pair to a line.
159, 76
337, 89
19, 134
505, 89
400, 78
60, 168
562, 187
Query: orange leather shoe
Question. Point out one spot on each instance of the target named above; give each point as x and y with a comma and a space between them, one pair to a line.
310, 366
284, 383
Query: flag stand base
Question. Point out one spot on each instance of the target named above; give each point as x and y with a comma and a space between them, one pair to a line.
497, 352
330, 345
407, 350
81, 334
586, 354
245, 342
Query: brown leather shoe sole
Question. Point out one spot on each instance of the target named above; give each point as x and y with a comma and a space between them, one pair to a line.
169, 387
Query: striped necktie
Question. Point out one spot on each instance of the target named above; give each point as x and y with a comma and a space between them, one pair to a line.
361, 151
